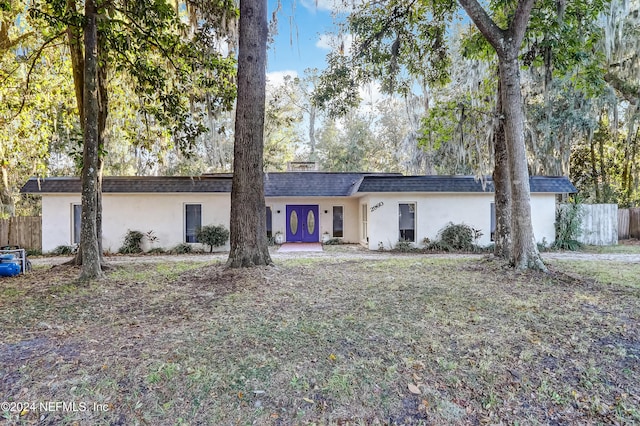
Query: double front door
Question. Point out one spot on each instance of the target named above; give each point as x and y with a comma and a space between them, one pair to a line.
302, 223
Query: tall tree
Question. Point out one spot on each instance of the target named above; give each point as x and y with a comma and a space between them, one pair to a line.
395, 33
89, 245
248, 221
507, 44
171, 73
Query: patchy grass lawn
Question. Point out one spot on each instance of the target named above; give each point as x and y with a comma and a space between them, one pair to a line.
406, 340
623, 247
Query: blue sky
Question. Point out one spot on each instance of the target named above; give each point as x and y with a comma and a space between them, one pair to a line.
303, 37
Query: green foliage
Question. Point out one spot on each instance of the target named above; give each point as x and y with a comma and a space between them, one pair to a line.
457, 237
157, 250
395, 41
182, 248
132, 242
166, 72
568, 226
213, 236
404, 246
63, 250
33, 252
543, 245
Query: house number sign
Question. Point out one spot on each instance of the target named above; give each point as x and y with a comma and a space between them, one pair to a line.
376, 207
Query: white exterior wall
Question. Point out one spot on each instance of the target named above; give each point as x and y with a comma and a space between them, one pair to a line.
57, 227
543, 217
435, 211
161, 213
350, 206
164, 215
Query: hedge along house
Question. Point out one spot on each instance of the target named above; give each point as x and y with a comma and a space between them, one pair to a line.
375, 210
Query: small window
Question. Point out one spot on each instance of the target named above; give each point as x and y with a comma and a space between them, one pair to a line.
77, 221
407, 219
193, 222
338, 221
365, 225
269, 222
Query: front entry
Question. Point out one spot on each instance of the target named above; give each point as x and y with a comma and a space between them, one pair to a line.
302, 224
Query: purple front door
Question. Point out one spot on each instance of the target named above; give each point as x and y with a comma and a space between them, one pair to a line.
302, 224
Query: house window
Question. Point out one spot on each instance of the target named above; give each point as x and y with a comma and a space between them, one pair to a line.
365, 230
269, 222
192, 222
493, 221
407, 221
338, 221
76, 221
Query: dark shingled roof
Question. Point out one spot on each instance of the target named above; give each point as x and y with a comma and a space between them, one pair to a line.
293, 184
312, 184
132, 184
556, 185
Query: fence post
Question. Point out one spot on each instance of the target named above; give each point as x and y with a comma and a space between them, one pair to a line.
634, 222
623, 224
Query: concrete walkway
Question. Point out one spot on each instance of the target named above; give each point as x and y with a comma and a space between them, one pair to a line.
297, 247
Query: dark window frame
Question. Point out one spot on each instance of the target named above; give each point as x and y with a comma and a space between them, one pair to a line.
269, 221
76, 223
405, 233
338, 231
190, 231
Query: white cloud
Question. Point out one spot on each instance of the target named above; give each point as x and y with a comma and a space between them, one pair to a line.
335, 42
276, 78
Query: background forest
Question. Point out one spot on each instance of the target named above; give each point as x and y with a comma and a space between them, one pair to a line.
582, 111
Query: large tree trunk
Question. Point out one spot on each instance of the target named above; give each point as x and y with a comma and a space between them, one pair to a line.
103, 108
7, 203
502, 187
91, 268
524, 251
74, 38
248, 221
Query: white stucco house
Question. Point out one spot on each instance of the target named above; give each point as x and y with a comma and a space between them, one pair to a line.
372, 209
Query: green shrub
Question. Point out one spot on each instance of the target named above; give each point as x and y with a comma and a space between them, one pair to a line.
457, 237
213, 236
63, 250
568, 226
157, 250
182, 248
403, 246
132, 242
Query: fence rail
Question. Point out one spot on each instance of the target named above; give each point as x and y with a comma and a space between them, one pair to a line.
23, 231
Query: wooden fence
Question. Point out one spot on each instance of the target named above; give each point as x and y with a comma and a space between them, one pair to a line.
599, 224
25, 231
628, 223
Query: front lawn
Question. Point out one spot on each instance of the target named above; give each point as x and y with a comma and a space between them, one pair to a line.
403, 340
